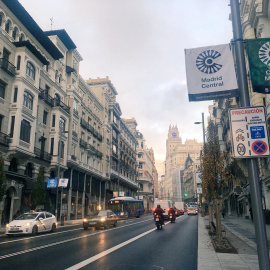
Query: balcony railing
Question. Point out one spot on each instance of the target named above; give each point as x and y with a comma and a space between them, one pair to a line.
74, 133
4, 139
7, 66
53, 102
84, 124
73, 157
83, 143
42, 154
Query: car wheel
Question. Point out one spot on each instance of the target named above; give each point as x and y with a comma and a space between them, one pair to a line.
35, 230
53, 228
115, 224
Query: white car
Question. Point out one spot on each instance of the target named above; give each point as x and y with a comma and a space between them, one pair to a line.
192, 210
32, 223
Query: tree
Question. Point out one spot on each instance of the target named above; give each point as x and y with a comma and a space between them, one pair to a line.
38, 194
212, 174
3, 185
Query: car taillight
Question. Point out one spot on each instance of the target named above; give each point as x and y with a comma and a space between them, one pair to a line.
157, 215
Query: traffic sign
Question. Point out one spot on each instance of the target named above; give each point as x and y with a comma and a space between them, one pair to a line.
259, 147
249, 132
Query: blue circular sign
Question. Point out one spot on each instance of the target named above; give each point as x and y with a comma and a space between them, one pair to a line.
174, 134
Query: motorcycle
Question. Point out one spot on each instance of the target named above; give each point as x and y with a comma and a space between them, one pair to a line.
158, 222
172, 218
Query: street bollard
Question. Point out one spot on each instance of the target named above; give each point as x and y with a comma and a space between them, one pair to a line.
63, 219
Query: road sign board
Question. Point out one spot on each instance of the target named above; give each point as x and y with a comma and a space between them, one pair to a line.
249, 132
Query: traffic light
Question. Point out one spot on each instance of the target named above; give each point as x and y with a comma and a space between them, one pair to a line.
185, 194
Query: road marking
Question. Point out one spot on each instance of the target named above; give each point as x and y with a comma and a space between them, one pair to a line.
110, 250
62, 242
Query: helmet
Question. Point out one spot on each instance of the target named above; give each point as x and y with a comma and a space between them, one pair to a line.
158, 206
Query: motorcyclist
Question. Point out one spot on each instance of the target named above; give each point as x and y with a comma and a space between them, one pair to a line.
159, 211
172, 211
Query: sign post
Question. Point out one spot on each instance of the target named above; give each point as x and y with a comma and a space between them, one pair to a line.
253, 172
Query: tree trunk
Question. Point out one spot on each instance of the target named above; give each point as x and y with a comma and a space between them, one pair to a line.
218, 222
210, 209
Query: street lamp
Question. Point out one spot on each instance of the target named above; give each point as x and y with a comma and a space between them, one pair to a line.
196, 123
58, 166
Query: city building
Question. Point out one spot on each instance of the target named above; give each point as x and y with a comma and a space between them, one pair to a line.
178, 155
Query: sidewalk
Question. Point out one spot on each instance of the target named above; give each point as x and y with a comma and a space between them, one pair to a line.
243, 233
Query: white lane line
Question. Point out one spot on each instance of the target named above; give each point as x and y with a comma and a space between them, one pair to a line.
62, 242
108, 251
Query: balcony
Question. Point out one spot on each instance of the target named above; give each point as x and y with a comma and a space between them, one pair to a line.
7, 66
84, 124
73, 157
4, 139
53, 102
90, 128
74, 133
42, 155
83, 143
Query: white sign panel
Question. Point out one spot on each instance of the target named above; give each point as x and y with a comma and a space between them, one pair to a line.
198, 178
210, 73
63, 182
121, 193
249, 132
199, 190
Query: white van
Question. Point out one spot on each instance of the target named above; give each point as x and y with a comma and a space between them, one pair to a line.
165, 205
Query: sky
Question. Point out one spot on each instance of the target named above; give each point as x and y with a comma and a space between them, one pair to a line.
140, 45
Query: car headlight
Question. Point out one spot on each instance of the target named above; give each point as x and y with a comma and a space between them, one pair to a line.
103, 219
27, 224
7, 225
84, 220
122, 213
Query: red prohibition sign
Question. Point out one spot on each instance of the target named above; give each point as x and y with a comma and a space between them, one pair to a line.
259, 147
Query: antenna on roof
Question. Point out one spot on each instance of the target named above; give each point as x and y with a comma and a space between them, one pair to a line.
51, 19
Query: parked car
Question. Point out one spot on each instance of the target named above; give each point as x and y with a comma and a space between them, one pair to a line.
181, 212
100, 218
32, 223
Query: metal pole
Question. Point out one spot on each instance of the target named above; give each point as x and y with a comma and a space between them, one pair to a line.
253, 172
58, 171
203, 128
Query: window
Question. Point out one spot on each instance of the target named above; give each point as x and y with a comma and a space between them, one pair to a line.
21, 37
1, 18
2, 89
18, 62
140, 165
62, 124
1, 121
12, 126
45, 114
75, 106
57, 99
25, 131
15, 94
14, 33
53, 120
30, 70
7, 27
52, 145
28, 100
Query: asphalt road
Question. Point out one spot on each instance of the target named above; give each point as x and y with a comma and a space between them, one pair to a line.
133, 244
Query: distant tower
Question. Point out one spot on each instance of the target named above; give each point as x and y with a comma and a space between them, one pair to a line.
173, 140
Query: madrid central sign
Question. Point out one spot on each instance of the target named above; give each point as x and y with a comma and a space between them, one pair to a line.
249, 132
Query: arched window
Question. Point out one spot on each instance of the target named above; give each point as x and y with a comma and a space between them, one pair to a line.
60, 78
28, 100
56, 74
13, 165
30, 70
18, 62
14, 33
7, 27
62, 124
21, 37
29, 170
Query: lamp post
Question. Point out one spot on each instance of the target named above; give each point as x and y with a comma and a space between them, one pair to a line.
58, 167
196, 123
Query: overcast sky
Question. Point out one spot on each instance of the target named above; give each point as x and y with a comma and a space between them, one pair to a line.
140, 45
